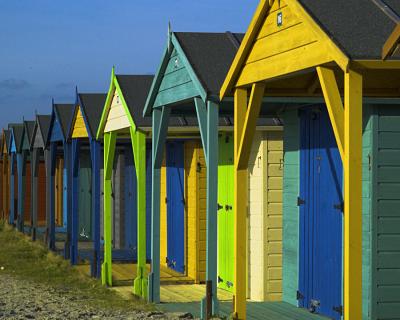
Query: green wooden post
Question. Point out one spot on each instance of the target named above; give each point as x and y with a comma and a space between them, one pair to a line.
208, 123
109, 151
138, 140
160, 130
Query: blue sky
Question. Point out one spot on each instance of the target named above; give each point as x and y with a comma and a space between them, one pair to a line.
49, 46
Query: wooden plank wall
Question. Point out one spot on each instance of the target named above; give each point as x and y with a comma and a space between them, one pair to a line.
117, 117
41, 194
79, 130
265, 217
59, 191
195, 195
386, 214
176, 84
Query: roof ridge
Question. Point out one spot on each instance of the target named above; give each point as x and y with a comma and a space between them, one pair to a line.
233, 39
386, 9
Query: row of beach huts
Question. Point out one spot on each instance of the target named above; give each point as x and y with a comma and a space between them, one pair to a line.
265, 165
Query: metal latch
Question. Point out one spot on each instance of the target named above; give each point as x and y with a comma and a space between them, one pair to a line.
228, 207
313, 305
339, 206
300, 201
338, 309
229, 284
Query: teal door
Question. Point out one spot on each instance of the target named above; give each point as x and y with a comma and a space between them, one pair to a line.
225, 213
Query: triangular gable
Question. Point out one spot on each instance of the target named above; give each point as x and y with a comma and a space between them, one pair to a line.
25, 141
55, 132
118, 118
13, 147
37, 138
282, 39
79, 129
175, 80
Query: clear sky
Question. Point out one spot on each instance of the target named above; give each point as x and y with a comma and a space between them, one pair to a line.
47, 47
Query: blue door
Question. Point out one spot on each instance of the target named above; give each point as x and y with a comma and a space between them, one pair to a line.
321, 205
131, 202
175, 207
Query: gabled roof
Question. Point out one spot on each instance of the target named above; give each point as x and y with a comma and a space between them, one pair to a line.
17, 130
359, 27
64, 114
135, 89
29, 127
92, 105
43, 125
210, 55
6, 138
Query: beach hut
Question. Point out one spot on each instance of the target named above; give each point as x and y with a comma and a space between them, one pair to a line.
122, 117
5, 173
341, 68
86, 169
188, 85
40, 157
58, 176
16, 130
26, 179
1, 179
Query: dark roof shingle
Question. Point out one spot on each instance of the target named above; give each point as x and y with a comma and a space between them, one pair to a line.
210, 55
92, 105
65, 113
359, 27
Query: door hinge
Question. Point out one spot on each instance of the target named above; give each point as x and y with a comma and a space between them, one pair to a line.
339, 206
166, 200
338, 309
220, 207
299, 296
300, 201
220, 279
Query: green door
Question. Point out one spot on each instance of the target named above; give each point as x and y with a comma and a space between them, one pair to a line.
225, 213
85, 212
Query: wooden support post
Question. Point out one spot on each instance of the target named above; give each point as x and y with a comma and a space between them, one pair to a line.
75, 202
334, 105
109, 151
212, 201
47, 160
353, 196
52, 218
160, 130
95, 149
12, 189
201, 112
245, 118
138, 140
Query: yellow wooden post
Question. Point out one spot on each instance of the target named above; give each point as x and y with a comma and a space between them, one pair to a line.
245, 119
352, 196
240, 209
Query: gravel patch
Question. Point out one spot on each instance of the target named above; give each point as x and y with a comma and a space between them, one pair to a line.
20, 299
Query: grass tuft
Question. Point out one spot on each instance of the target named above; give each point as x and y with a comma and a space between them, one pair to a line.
31, 261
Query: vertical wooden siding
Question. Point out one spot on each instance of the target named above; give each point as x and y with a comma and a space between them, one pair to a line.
195, 189
265, 217
163, 214
291, 189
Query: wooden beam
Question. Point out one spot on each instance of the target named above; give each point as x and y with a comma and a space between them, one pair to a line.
211, 152
353, 196
249, 125
160, 118
391, 43
109, 151
334, 104
138, 140
313, 85
240, 209
201, 112
75, 202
